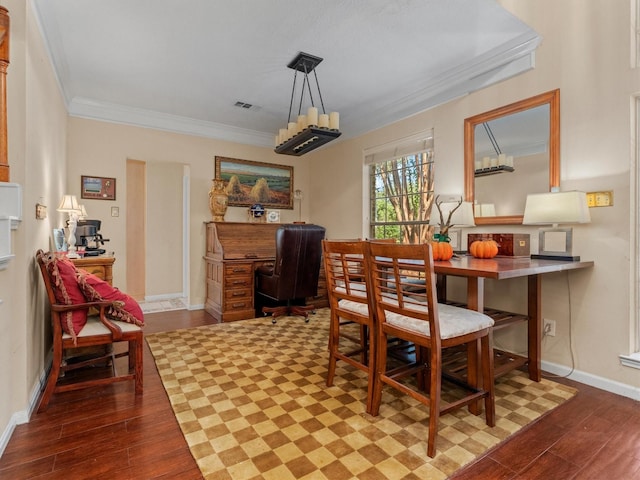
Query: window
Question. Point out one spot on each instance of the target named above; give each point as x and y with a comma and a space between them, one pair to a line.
401, 177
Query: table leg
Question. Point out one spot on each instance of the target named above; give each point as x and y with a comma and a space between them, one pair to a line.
534, 326
475, 293
475, 301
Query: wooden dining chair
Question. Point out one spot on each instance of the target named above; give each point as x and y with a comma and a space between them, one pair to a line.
99, 330
346, 272
417, 317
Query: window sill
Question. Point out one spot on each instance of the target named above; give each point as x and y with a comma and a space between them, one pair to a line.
632, 360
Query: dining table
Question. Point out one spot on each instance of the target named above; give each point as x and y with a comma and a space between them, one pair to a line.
477, 270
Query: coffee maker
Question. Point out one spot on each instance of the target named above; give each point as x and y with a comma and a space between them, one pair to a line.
88, 236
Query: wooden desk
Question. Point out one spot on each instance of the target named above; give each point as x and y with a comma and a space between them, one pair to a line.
234, 251
476, 270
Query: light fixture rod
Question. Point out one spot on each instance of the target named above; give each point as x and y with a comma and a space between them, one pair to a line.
319, 92
293, 92
492, 138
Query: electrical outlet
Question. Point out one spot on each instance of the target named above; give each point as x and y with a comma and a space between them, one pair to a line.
549, 327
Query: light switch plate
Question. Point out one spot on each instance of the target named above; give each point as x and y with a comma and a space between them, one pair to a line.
600, 199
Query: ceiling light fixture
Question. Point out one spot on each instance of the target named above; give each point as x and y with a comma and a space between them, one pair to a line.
312, 130
492, 165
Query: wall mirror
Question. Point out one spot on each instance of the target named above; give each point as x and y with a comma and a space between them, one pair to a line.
510, 152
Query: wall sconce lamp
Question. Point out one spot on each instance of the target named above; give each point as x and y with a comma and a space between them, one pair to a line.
69, 204
556, 208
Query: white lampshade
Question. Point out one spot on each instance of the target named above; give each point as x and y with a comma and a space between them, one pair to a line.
554, 208
462, 217
69, 203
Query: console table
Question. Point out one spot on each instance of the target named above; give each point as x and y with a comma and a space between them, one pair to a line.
101, 266
475, 270
233, 252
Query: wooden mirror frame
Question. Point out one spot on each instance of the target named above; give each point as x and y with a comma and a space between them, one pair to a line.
553, 99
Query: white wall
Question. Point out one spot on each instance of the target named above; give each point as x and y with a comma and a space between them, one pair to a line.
585, 53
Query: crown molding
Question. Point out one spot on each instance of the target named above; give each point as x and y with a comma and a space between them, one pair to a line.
108, 112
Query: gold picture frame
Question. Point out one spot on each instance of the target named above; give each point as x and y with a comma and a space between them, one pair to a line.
248, 183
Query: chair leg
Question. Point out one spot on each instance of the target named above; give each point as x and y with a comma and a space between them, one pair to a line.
52, 380
372, 354
334, 343
138, 354
379, 370
301, 310
473, 366
275, 312
488, 381
435, 388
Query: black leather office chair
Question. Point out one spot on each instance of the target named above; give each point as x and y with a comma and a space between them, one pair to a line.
284, 286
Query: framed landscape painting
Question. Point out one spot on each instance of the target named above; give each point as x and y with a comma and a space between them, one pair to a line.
248, 183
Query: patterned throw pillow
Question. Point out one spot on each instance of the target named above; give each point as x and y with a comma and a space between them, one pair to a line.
67, 292
126, 309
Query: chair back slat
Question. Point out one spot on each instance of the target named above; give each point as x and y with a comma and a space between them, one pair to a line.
345, 270
404, 283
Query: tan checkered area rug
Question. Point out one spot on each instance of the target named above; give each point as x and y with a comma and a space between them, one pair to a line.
251, 400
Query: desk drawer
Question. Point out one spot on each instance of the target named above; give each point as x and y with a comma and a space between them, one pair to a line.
238, 294
97, 270
236, 304
238, 282
239, 269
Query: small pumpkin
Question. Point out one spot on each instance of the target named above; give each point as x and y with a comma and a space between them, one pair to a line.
483, 248
441, 250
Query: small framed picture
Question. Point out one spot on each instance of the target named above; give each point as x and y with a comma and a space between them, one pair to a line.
98, 188
59, 243
273, 216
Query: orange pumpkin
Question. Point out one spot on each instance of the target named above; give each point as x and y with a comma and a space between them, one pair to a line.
441, 250
484, 248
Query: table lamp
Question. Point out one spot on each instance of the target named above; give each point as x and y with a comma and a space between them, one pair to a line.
69, 204
556, 208
451, 212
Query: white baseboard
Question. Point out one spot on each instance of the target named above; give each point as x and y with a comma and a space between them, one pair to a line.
164, 296
593, 380
23, 416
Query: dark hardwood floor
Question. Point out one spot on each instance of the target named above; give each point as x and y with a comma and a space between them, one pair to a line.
106, 433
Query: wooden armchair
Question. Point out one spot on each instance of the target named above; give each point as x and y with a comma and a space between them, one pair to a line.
98, 331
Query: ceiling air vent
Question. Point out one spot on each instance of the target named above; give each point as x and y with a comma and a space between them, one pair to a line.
243, 105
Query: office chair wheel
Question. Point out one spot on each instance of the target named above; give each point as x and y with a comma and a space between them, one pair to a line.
306, 320
273, 320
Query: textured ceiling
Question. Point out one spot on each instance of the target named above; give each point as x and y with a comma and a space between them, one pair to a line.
181, 65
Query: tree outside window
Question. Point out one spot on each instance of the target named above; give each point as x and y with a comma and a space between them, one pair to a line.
401, 192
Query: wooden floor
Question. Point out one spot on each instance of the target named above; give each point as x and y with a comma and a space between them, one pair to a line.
106, 433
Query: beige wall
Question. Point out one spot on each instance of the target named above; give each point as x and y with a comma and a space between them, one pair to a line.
164, 219
101, 149
585, 52
37, 152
